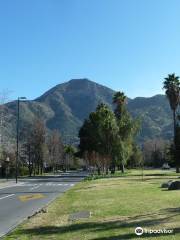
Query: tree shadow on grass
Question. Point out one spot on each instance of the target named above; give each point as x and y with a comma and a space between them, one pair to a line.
172, 210
90, 227
150, 221
135, 180
134, 236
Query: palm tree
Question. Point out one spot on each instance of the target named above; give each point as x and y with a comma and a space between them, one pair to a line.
119, 99
172, 90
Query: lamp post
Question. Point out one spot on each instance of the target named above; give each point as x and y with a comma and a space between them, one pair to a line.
17, 135
7, 167
142, 149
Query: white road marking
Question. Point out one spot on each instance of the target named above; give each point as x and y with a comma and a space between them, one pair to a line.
13, 185
7, 196
35, 187
48, 184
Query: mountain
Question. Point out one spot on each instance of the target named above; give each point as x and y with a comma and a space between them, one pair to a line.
155, 115
65, 107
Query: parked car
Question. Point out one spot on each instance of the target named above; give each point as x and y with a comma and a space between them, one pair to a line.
166, 166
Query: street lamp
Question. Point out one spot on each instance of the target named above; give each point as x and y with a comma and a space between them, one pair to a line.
7, 167
142, 164
17, 134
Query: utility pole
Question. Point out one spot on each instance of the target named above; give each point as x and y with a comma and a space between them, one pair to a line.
17, 135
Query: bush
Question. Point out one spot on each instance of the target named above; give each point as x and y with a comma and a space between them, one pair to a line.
23, 171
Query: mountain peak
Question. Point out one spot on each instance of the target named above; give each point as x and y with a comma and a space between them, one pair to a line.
80, 80
65, 107
84, 82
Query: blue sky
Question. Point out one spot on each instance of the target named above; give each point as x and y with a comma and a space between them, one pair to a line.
128, 45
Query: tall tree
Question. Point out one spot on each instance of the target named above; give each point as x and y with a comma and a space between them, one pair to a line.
98, 135
172, 90
38, 142
128, 128
69, 156
119, 99
55, 147
28, 152
136, 159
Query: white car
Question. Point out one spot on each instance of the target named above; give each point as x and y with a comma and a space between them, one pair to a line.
165, 166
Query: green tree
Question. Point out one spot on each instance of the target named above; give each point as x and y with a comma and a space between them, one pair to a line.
172, 90
98, 135
136, 159
106, 137
70, 155
157, 158
119, 99
127, 127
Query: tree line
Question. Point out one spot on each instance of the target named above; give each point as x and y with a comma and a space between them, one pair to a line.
40, 151
107, 138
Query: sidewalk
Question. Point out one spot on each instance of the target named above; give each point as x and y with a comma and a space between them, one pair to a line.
4, 183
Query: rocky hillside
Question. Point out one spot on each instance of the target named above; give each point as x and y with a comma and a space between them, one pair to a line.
65, 106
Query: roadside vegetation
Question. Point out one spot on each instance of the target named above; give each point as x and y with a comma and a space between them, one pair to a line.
108, 139
40, 152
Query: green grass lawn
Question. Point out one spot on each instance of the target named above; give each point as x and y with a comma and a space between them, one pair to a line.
118, 206
136, 173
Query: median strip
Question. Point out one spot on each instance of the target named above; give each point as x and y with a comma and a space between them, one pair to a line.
25, 198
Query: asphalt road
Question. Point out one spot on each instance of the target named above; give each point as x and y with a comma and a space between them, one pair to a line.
19, 201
